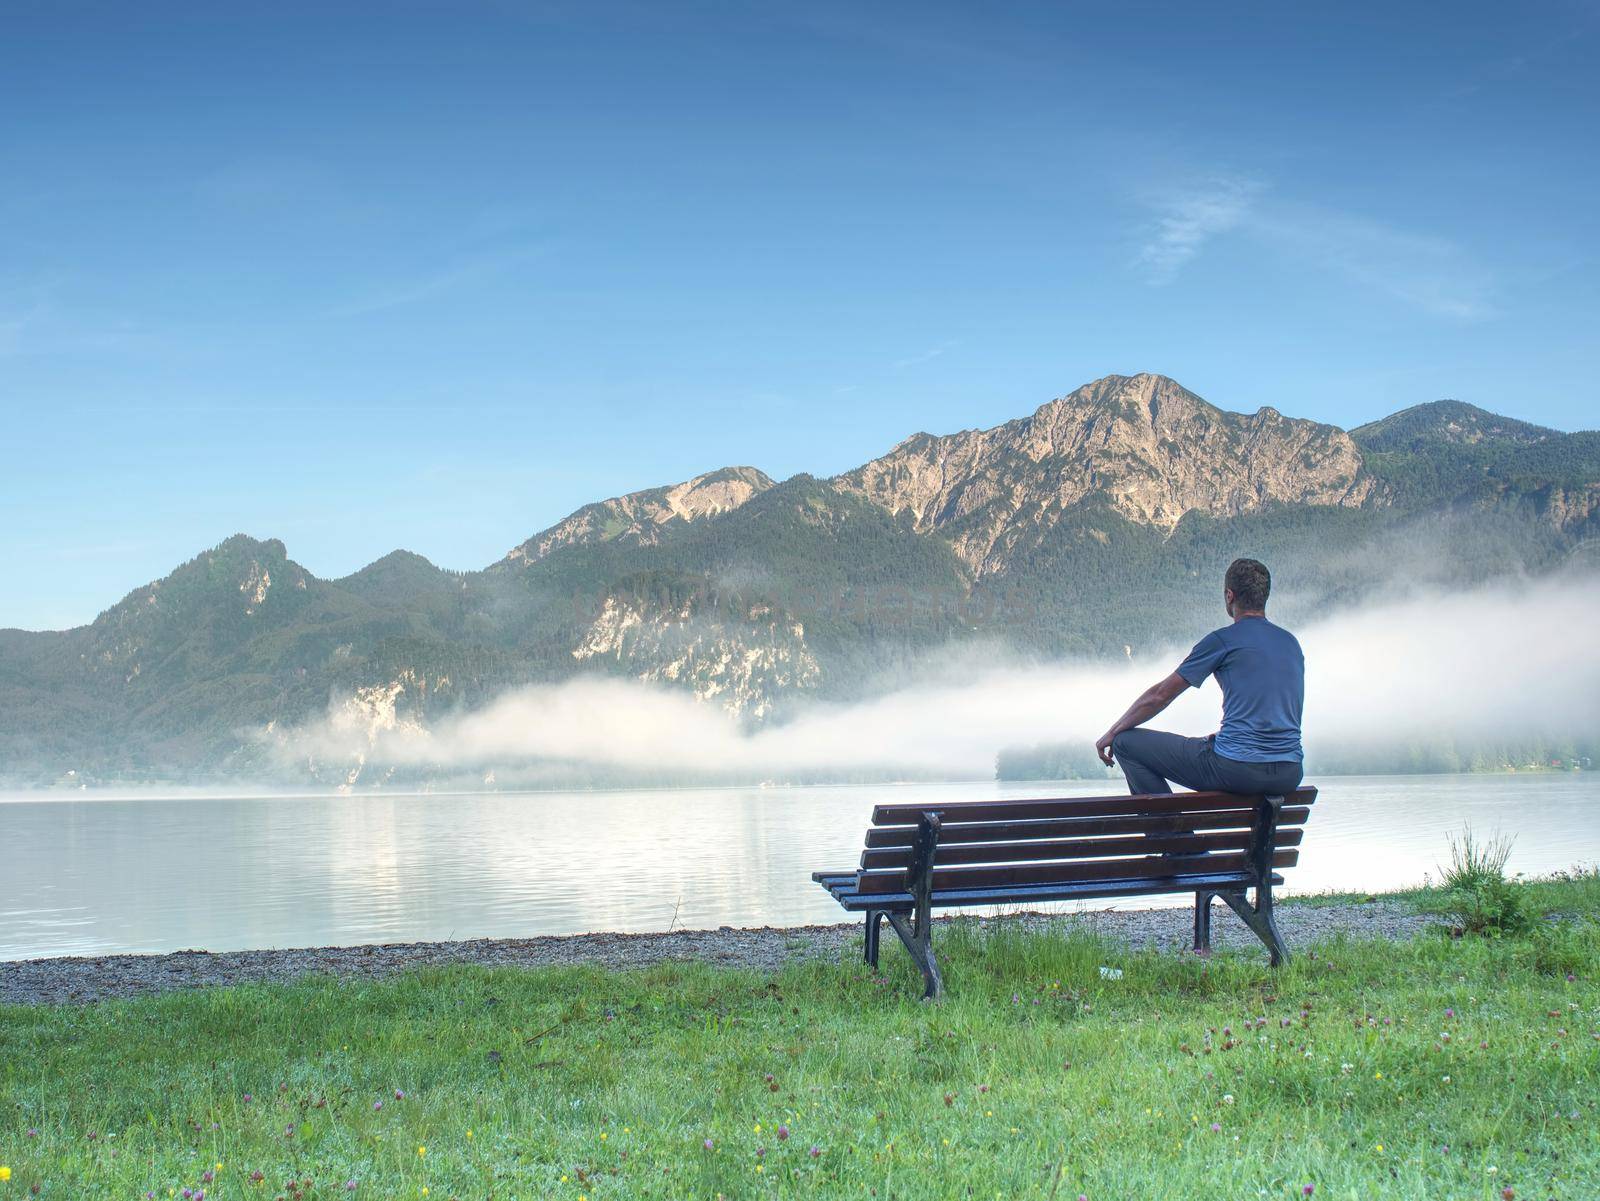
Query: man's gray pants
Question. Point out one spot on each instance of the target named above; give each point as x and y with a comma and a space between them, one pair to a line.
1153, 761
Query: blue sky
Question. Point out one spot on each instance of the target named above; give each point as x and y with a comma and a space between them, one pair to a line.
433, 275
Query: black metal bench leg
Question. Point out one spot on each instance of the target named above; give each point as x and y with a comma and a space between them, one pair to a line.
874, 929
1260, 919
920, 944
1274, 938
1202, 922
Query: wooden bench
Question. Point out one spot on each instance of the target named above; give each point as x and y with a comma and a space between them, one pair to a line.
1214, 844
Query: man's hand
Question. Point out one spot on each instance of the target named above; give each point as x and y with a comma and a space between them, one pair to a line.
1152, 701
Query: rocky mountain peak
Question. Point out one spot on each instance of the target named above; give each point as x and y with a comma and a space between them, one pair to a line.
216, 597
714, 493
1143, 444
640, 518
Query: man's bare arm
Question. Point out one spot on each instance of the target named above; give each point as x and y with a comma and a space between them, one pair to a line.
1151, 701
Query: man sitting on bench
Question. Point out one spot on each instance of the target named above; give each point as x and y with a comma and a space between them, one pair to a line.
1262, 673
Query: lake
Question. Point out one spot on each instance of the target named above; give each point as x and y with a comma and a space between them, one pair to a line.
89, 876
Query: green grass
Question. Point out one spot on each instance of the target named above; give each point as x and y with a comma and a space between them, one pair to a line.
1575, 891
1436, 1068
1570, 892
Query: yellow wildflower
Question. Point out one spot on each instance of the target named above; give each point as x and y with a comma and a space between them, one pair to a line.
422, 1150
5, 1172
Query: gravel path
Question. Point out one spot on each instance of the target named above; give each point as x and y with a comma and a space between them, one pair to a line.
97, 978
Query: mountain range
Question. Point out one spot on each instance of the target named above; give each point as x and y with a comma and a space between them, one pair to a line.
1098, 524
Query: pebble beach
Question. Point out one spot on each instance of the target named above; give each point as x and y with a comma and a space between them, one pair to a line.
89, 979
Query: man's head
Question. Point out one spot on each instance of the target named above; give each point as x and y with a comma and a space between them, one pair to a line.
1245, 588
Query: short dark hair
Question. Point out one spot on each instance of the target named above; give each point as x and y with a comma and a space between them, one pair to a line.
1250, 582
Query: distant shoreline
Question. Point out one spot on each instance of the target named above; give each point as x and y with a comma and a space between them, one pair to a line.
112, 791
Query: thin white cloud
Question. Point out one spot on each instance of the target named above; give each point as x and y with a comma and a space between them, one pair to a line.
462, 272
927, 356
1186, 220
43, 326
1420, 270
1514, 67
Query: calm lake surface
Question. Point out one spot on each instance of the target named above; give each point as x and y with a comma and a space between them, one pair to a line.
96, 876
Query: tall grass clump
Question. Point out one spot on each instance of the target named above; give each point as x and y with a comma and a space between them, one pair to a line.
1477, 892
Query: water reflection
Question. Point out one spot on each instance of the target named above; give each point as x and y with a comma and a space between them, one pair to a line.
157, 874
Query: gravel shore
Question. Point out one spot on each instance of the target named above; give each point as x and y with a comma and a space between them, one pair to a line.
77, 981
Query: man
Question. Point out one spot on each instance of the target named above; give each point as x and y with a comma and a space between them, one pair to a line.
1262, 673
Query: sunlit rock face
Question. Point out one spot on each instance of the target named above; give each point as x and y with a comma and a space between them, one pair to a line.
641, 518
1571, 508
738, 658
341, 747
1150, 448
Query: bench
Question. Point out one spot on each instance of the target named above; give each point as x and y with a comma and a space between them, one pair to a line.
1016, 852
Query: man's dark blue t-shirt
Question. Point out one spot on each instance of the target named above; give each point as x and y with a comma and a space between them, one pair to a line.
1262, 672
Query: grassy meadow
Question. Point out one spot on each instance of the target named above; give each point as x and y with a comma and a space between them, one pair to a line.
1442, 1067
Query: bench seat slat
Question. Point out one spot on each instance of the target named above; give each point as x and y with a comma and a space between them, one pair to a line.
1081, 848
1077, 827
1179, 802
1092, 890
1148, 867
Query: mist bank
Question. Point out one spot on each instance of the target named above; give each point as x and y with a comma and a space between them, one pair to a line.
1438, 754
1513, 666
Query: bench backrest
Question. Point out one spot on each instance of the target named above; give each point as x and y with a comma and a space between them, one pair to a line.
1006, 844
